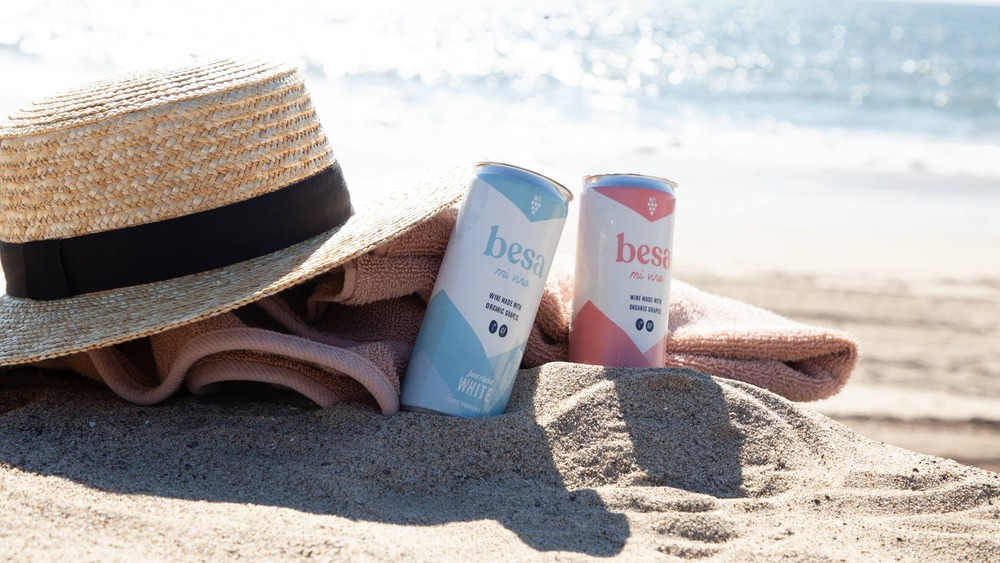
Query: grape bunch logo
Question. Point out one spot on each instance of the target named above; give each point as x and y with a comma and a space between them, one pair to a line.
652, 205
536, 203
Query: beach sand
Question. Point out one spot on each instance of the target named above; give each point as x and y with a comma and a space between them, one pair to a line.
927, 379
586, 462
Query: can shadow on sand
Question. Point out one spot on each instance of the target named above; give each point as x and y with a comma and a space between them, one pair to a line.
573, 437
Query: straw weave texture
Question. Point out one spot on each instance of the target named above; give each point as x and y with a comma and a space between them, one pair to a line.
150, 147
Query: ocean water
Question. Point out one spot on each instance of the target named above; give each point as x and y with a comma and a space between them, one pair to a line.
919, 67
878, 113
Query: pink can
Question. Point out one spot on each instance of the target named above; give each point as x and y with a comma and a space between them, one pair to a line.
623, 263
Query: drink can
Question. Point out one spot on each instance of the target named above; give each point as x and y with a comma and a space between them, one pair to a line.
623, 261
486, 294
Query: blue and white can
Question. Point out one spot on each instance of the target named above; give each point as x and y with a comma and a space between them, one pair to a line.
487, 293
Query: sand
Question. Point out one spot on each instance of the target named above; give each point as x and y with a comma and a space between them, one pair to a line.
927, 379
587, 462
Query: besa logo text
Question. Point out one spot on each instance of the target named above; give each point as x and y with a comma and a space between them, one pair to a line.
515, 253
645, 254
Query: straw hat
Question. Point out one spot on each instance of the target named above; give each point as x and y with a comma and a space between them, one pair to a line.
147, 201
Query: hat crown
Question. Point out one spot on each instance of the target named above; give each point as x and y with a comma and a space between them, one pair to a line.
150, 146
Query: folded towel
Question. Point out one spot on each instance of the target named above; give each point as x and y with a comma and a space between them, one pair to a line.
728, 338
347, 336
224, 348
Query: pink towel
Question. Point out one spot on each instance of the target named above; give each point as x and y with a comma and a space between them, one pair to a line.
729, 338
347, 336
203, 355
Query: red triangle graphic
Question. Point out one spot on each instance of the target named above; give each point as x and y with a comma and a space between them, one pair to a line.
651, 204
604, 343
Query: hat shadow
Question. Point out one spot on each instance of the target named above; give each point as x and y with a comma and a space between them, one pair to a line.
538, 470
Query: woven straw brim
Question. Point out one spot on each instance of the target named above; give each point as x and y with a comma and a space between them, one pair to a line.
36, 330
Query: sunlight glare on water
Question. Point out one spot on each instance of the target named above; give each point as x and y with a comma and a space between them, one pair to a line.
923, 67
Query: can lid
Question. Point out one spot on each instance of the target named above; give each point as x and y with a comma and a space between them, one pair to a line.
630, 180
525, 174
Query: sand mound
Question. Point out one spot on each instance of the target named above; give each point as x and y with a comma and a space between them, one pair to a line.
587, 462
